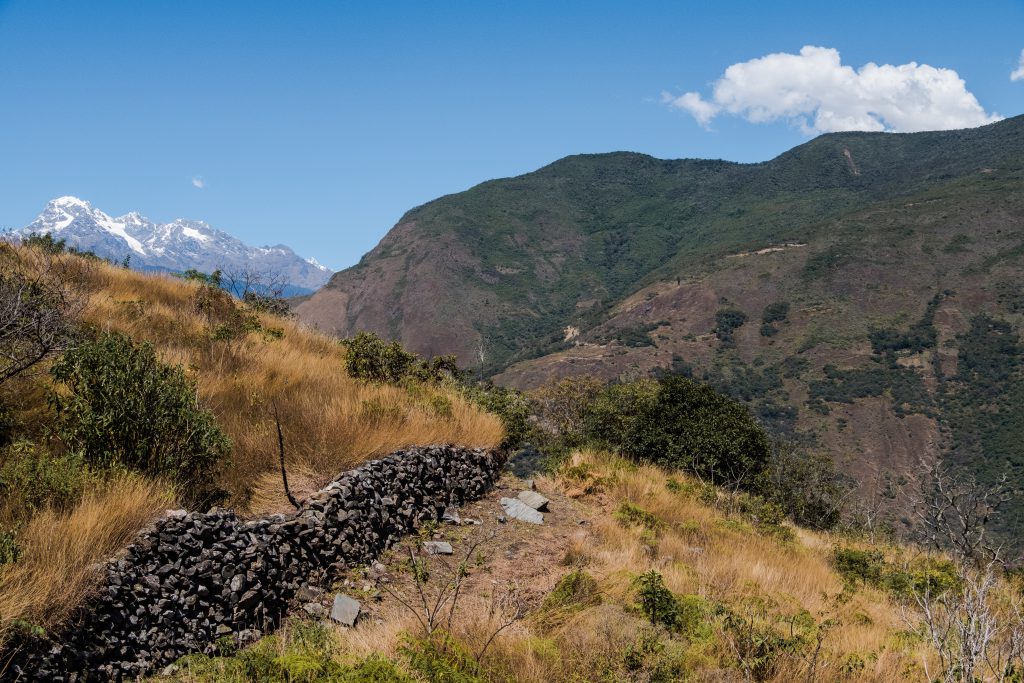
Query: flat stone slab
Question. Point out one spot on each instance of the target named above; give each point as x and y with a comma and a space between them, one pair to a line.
517, 509
534, 500
345, 610
438, 548
451, 515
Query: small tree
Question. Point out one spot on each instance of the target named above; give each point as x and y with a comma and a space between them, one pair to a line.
974, 623
561, 407
806, 485
122, 407
39, 300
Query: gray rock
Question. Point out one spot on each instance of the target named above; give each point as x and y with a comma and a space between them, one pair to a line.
307, 593
517, 509
534, 500
315, 610
438, 548
451, 515
345, 610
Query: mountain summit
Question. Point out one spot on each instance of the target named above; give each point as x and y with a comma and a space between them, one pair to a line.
175, 246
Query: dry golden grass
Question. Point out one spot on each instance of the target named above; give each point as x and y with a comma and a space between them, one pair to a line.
62, 553
331, 422
702, 552
699, 550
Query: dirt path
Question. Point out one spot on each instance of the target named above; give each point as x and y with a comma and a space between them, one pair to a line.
512, 560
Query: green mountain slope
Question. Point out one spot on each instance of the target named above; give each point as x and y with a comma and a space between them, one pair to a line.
516, 260
883, 250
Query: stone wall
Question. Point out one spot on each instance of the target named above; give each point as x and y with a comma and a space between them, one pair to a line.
194, 578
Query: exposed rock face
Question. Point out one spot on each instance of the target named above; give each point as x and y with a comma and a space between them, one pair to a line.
196, 577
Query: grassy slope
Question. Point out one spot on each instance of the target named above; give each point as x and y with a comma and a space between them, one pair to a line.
717, 560
330, 422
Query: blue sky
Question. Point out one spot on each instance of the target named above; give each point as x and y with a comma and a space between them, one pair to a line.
318, 124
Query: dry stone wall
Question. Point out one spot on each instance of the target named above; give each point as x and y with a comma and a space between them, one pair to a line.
195, 578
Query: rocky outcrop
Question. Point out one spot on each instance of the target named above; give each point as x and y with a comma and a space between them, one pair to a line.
194, 578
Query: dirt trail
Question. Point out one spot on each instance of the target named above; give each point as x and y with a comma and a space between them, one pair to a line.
523, 558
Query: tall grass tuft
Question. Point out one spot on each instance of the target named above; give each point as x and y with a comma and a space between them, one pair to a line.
62, 553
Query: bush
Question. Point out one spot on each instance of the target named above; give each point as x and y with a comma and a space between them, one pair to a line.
120, 406
306, 654
9, 549
370, 358
33, 478
727, 321
775, 313
657, 602
865, 566
575, 590
442, 659
511, 407
561, 407
689, 426
806, 485
619, 411
631, 515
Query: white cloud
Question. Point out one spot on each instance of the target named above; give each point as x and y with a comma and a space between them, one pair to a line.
815, 91
198, 182
692, 102
1018, 74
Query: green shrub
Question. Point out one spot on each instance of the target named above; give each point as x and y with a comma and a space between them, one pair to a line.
32, 478
306, 653
926, 575
759, 647
512, 408
9, 549
806, 485
866, 566
631, 515
120, 406
657, 602
575, 590
370, 358
727, 321
761, 512
775, 312
689, 426
441, 659
620, 411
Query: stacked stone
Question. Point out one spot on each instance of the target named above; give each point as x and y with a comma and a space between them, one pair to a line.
195, 578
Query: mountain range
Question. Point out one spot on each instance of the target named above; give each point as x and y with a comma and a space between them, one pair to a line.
863, 292
176, 246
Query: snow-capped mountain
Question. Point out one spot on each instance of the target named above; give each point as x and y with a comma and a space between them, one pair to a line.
176, 246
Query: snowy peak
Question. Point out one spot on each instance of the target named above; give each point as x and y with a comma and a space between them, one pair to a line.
177, 246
